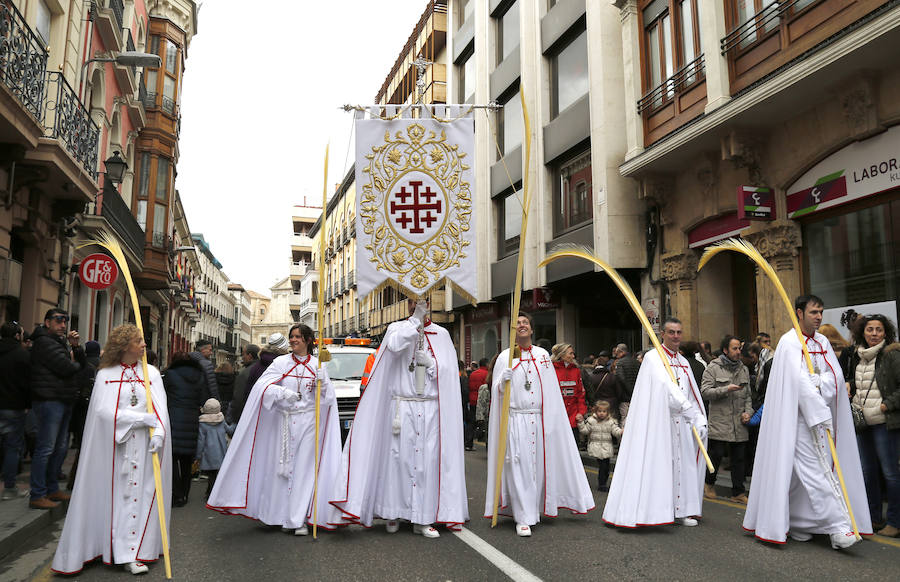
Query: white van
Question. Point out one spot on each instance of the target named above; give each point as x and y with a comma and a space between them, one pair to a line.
348, 360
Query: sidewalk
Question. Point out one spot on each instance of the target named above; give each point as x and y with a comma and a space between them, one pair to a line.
18, 522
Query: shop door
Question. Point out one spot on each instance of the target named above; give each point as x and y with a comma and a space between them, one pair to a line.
743, 277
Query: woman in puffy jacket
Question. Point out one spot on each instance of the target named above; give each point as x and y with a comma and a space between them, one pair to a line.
874, 375
569, 374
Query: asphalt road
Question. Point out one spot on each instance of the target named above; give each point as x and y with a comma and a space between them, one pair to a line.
207, 546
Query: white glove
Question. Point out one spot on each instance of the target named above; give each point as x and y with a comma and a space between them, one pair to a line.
421, 310
815, 380
699, 423
423, 359
506, 375
322, 374
289, 396
156, 444
148, 420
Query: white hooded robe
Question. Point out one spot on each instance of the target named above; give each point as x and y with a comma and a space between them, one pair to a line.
659, 470
542, 472
268, 471
790, 489
404, 458
112, 514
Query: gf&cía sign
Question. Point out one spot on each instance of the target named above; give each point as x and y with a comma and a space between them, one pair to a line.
98, 271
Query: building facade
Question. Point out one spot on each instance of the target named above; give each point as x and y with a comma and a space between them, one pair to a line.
271, 314
216, 304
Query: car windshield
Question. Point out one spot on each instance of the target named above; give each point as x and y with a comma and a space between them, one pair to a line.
347, 366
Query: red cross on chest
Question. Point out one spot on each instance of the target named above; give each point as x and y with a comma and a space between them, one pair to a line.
545, 361
420, 209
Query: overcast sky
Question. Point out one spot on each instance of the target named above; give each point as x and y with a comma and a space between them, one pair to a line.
262, 87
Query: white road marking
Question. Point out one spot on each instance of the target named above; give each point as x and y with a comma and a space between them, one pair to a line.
503, 562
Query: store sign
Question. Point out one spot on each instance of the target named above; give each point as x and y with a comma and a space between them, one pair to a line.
716, 229
755, 203
856, 171
98, 271
539, 299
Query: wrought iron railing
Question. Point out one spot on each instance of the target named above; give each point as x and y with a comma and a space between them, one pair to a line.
168, 105
758, 25
23, 60
71, 122
351, 278
118, 10
142, 92
683, 78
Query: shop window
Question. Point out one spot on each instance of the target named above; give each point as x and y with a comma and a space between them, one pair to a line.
853, 258
507, 31
510, 218
572, 195
569, 70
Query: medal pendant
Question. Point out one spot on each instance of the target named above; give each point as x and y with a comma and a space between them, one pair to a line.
134, 400
527, 384
412, 366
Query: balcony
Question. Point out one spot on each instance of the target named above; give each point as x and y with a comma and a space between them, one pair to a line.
351, 279
298, 269
23, 60
71, 123
301, 242
108, 16
784, 31
295, 301
674, 102
112, 214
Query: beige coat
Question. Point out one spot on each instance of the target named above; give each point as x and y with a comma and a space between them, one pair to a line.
725, 408
600, 435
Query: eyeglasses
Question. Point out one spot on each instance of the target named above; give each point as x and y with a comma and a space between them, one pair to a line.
61, 318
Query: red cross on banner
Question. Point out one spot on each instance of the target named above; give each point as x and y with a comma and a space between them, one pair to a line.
420, 208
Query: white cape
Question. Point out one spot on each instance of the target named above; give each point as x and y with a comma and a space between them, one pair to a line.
251, 481
105, 499
769, 507
359, 487
641, 492
565, 484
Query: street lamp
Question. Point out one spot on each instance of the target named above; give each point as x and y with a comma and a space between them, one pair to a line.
115, 168
126, 58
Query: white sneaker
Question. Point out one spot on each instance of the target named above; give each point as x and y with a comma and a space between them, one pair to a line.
800, 536
686, 521
136, 568
392, 526
841, 541
426, 531
301, 531
523, 530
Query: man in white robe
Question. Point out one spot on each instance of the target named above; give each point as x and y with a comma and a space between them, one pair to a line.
542, 471
269, 469
795, 486
113, 513
658, 477
403, 459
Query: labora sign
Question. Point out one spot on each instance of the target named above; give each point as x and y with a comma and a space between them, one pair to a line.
98, 271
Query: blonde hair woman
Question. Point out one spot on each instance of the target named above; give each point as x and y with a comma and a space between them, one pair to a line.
113, 511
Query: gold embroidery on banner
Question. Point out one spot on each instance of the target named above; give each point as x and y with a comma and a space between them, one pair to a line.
418, 265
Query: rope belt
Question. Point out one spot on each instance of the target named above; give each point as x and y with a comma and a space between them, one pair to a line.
525, 410
395, 424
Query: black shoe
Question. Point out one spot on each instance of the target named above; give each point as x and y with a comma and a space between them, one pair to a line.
603, 489
179, 502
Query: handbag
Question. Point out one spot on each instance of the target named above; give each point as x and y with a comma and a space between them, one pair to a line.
859, 419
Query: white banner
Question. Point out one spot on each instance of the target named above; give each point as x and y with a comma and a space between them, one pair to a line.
414, 220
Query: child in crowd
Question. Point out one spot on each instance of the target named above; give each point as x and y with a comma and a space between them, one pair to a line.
212, 441
600, 428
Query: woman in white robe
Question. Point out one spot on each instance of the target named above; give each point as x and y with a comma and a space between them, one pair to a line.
269, 470
542, 471
113, 513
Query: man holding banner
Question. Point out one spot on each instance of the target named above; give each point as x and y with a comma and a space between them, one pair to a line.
794, 482
403, 459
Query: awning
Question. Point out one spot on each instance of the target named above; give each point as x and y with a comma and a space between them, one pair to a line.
716, 229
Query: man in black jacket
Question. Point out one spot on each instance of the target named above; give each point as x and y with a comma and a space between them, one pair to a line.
15, 366
54, 388
201, 354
